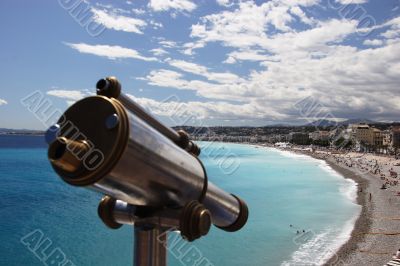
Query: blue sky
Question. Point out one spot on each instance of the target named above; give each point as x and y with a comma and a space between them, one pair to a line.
223, 62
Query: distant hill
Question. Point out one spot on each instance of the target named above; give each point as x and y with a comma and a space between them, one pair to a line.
328, 123
8, 131
358, 121
322, 123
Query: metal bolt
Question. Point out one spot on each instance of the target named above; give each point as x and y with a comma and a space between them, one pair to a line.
52, 133
112, 121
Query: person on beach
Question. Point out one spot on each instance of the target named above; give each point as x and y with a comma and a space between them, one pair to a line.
397, 255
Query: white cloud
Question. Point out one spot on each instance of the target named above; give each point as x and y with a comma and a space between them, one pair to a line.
138, 11
194, 112
295, 64
250, 24
296, 10
247, 55
394, 30
165, 5
156, 25
72, 95
341, 78
224, 77
167, 43
190, 46
374, 42
117, 22
349, 2
394, 25
111, 52
158, 52
3, 102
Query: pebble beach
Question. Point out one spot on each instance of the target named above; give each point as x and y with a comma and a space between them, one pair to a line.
376, 235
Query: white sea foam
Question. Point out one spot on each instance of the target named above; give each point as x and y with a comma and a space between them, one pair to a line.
323, 246
348, 187
290, 154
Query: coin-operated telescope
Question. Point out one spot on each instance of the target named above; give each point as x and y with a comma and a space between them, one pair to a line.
150, 174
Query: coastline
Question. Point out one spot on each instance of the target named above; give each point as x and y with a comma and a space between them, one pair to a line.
376, 233
363, 222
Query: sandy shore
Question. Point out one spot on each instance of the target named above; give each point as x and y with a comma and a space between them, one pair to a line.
376, 235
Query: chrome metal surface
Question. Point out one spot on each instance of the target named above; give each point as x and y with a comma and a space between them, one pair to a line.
124, 213
224, 208
142, 166
141, 113
153, 171
150, 247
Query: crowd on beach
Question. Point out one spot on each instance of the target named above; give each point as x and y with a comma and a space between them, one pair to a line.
383, 167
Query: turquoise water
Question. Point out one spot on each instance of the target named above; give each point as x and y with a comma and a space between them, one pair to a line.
281, 190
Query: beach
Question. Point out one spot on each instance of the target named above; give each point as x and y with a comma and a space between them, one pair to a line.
376, 234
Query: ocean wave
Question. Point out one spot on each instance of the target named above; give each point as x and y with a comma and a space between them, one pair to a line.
291, 154
348, 187
322, 246
349, 190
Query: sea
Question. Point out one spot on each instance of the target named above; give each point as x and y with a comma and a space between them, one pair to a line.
301, 211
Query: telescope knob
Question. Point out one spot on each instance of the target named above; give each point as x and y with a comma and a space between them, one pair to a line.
109, 87
105, 212
195, 221
186, 144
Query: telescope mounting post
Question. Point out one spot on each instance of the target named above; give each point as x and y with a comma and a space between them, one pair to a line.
150, 246
151, 226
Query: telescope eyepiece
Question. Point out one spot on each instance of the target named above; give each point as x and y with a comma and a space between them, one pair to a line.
65, 153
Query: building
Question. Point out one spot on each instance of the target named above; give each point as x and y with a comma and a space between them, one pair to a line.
369, 138
299, 138
363, 134
377, 138
396, 137
387, 138
320, 135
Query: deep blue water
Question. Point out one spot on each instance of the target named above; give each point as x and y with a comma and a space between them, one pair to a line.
280, 189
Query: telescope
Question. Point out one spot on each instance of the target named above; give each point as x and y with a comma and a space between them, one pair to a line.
150, 175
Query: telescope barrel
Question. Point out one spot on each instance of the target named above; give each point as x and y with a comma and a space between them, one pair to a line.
111, 87
141, 113
132, 161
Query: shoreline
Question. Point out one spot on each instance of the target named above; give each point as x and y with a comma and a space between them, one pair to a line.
363, 222
376, 233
